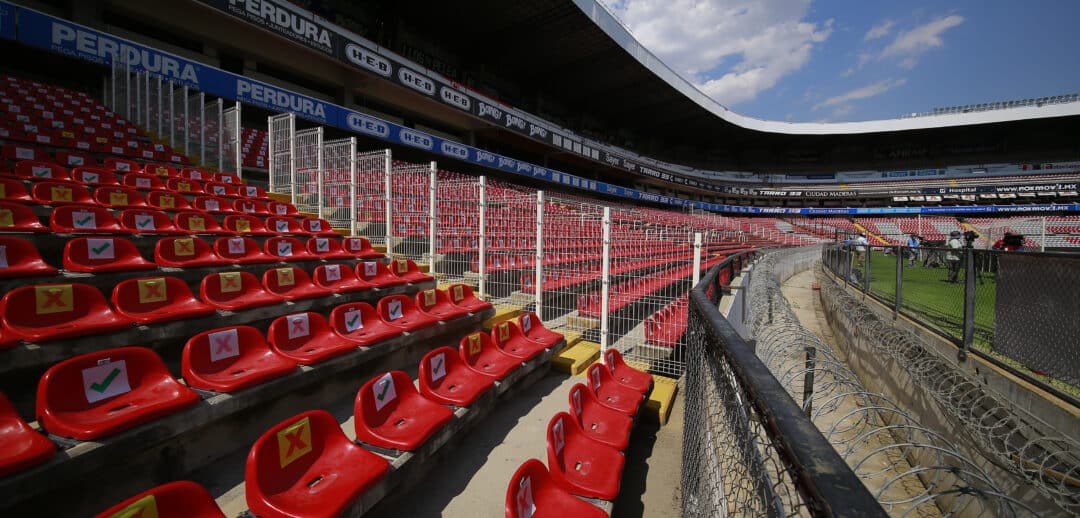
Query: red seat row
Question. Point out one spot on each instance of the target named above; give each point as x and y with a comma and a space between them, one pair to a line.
36, 169
124, 196
93, 219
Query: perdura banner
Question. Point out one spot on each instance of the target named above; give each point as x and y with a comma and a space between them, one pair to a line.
283, 19
58, 35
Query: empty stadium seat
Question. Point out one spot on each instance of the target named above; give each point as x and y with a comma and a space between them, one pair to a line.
444, 378
116, 197
211, 204
317, 226
20, 258
599, 422
283, 225
122, 164
192, 173
163, 170
408, 270
401, 311
58, 193
280, 208
507, 336
82, 219
23, 446
157, 299
13, 190
291, 283
184, 186
241, 250
611, 393
94, 176
53, 311
338, 278
230, 359
244, 224
377, 274
287, 249
23, 152
581, 465
251, 191
98, 394
436, 303
250, 207
16, 217
533, 494
327, 248
390, 413
227, 178
235, 290
143, 182
162, 200
534, 330
182, 499
480, 354
186, 252
625, 374
40, 170
220, 189
305, 466
103, 254
461, 295
198, 223
72, 159
147, 221
306, 338
359, 322
360, 248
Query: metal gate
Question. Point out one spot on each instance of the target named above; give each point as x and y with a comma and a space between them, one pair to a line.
338, 200
213, 112
412, 211
372, 175
193, 127
231, 158
281, 139
307, 169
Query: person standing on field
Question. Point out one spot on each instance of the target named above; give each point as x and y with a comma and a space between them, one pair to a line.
913, 250
953, 255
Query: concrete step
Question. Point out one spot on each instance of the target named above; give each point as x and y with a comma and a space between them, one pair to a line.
576, 358
502, 314
658, 406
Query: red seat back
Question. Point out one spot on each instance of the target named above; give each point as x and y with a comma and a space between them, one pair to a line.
373, 271
227, 178
244, 224
237, 248
46, 305
163, 170
292, 331
13, 190
198, 223
194, 174
250, 207
19, 257
251, 191
331, 275
182, 499
217, 350
82, 218
94, 176
57, 193
118, 197
324, 246
40, 170
381, 395
287, 248
316, 226
183, 185
226, 286
211, 204
286, 279
357, 245
88, 254
219, 189
280, 208
427, 299
15, 152
282, 225
149, 294
143, 181
121, 164
163, 200
72, 159
473, 345
394, 307
182, 249
146, 221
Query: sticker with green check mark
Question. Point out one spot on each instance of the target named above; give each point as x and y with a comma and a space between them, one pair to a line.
100, 248
42, 173
384, 391
438, 370
353, 320
144, 222
105, 380
83, 219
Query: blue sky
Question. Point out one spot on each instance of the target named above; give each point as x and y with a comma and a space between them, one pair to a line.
842, 60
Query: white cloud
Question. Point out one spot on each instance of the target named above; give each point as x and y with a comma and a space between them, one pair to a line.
843, 110
864, 92
879, 31
921, 38
732, 50
909, 62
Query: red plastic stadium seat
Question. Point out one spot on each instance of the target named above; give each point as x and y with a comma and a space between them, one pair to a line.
198, 223
20, 258
291, 283
250, 207
227, 178
481, 355
599, 422
436, 303
57, 193
94, 176
231, 358
184, 186
338, 278
241, 250
104, 254
581, 465
186, 252
280, 208
23, 152
407, 269
183, 499
461, 295
287, 249
81, 219
327, 248
251, 191
305, 467
101, 393
212, 204
360, 248
235, 290
16, 217
120, 164
390, 413
611, 393
23, 446
143, 182
534, 330
377, 274
13, 190
53, 311
157, 299
533, 494
360, 323
163, 170
37, 170
147, 221
283, 225
72, 159
194, 174
445, 379
507, 336
625, 374
401, 311
219, 189
116, 197
316, 226
245, 224
306, 338
163, 200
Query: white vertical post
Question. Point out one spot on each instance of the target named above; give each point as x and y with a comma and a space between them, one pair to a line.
1042, 240
160, 113
146, 112
353, 216
432, 212
539, 281
481, 283
220, 132
920, 224
292, 163
238, 145
388, 213
202, 129
172, 116
138, 99
112, 90
605, 282
269, 149
319, 170
697, 258
187, 121
127, 90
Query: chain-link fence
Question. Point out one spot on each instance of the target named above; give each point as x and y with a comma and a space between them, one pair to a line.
372, 196
307, 167
508, 246
281, 139
410, 208
338, 200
